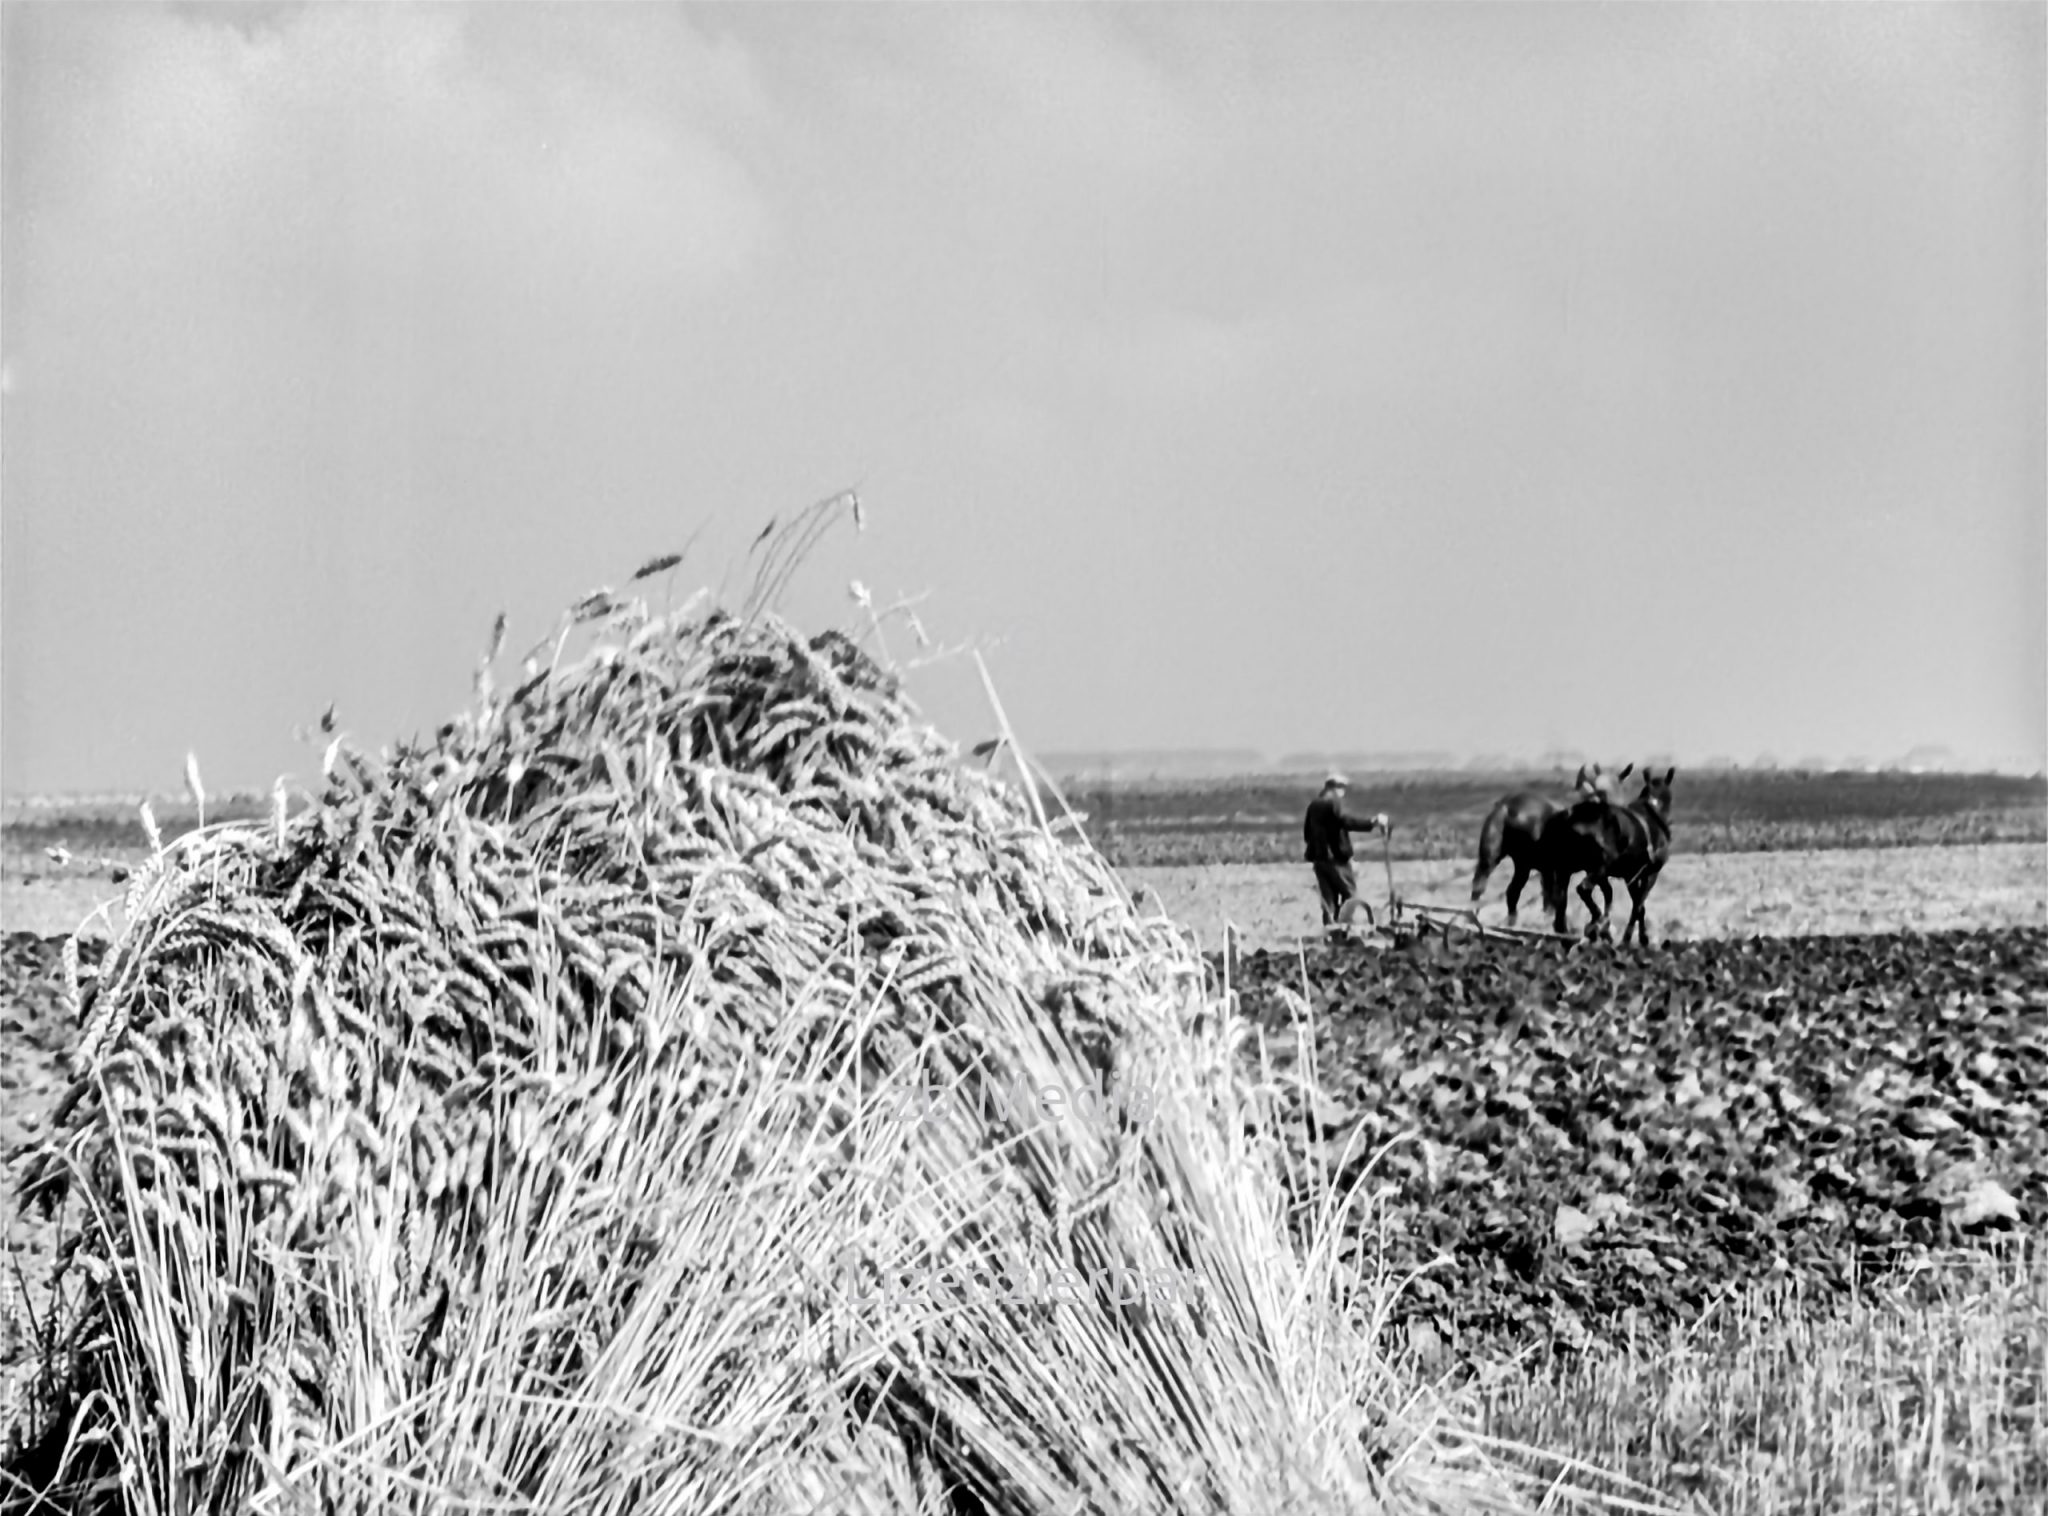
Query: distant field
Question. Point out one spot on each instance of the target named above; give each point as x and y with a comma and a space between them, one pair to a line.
1149, 824
1724, 895
98, 839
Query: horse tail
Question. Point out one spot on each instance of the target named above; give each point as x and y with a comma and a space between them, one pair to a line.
1492, 839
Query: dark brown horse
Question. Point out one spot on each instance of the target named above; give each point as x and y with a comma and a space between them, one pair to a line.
1608, 842
1514, 829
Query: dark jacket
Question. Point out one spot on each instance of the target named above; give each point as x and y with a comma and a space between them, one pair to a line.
1326, 830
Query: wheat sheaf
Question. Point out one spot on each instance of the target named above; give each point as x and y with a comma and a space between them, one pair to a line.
498, 1133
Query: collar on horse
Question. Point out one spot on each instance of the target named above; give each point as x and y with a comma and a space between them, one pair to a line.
1656, 833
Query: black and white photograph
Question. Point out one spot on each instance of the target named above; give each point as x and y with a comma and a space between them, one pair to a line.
1017, 758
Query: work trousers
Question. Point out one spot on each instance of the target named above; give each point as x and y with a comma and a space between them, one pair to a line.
1336, 883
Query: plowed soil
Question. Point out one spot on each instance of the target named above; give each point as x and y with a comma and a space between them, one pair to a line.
1571, 1141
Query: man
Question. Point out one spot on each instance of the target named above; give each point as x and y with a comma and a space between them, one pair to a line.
1326, 834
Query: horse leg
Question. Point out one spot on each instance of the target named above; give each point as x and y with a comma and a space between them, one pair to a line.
1557, 895
1639, 889
1603, 913
1515, 888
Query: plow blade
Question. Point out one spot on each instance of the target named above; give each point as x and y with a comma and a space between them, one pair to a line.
1447, 919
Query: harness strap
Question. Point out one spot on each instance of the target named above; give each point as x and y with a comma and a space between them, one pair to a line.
1651, 824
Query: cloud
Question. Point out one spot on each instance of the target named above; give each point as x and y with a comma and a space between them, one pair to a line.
338, 304
1060, 89
1066, 84
343, 153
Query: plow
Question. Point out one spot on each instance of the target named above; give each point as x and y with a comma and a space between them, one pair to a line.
1399, 923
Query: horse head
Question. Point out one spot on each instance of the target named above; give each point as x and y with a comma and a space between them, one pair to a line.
1655, 796
1592, 784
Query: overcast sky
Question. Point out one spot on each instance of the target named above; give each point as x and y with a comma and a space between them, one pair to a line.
1626, 379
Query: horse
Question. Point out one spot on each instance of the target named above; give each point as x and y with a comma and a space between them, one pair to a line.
1604, 842
1515, 828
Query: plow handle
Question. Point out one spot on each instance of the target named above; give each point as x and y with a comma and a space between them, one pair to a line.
1387, 857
